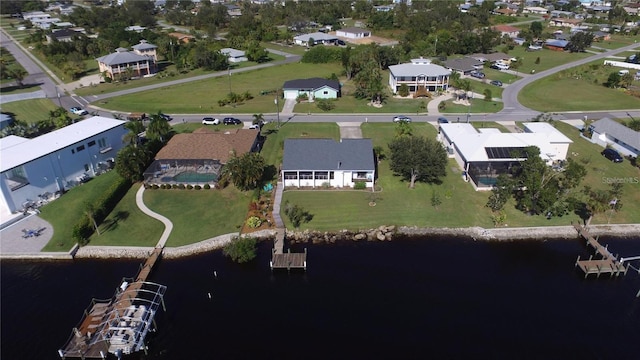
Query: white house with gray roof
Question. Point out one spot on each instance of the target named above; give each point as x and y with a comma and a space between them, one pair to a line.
313, 88
607, 132
234, 55
56, 161
141, 61
317, 37
419, 73
326, 162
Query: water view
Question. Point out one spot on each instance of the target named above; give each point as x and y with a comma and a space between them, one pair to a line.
440, 298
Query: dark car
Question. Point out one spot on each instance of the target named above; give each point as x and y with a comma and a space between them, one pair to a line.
231, 121
443, 120
477, 74
166, 117
612, 155
496, 82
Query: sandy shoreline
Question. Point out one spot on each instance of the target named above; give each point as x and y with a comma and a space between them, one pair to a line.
476, 233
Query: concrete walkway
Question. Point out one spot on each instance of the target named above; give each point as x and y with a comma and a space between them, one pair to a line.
39, 94
276, 205
168, 225
287, 109
350, 130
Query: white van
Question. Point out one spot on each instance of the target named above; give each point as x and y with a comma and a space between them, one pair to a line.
623, 72
500, 66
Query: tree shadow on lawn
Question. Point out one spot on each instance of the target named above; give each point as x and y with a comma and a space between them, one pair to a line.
112, 223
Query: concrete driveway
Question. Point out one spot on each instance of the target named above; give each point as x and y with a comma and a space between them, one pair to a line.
350, 130
12, 242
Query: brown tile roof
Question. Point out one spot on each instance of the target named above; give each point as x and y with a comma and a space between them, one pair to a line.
208, 144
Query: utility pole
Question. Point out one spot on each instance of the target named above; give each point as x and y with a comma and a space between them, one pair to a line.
469, 98
277, 109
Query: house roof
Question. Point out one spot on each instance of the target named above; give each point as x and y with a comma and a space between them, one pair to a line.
348, 154
618, 131
232, 52
462, 64
144, 45
557, 43
472, 144
505, 28
310, 84
355, 30
16, 152
490, 57
418, 67
315, 36
122, 56
553, 135
64, 33
208, 144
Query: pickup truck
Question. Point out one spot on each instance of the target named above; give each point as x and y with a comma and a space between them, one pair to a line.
136, 116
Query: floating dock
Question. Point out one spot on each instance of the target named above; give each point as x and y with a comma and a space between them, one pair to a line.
118, 325
286, 260
608, 263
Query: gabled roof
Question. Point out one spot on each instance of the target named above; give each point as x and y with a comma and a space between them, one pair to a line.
355, 30
491, 57
18, 152
557, 43
463, 64
315, 36
505, 28
311, 84
616, 130
232, 52
122, 56
64, 33
348, 154
208, 144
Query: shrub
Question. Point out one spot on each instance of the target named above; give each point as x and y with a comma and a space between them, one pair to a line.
325, 105
360, 185
207, 186
174, 186
241, 250
197, 187
155, 186
190, 187
181, 187
297, 215
254, 222
403, 90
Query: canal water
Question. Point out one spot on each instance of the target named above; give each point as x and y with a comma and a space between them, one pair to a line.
438, 298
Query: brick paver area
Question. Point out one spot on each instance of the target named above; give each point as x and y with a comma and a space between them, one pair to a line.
12, 242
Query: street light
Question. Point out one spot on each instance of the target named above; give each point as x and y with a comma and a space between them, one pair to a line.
277, 109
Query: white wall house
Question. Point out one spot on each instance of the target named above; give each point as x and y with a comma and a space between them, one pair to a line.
56, 161
341, 164
317, 37
141, 61
484, 154
420, 73
607, 132
313, 88
234, 55
353, 33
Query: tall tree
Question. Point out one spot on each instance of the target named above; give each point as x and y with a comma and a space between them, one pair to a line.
580, 41
244, 171
536, 29
131, 162
158, 128
416, 158
90, 211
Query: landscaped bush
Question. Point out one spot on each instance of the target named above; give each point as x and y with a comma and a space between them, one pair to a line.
174, 186
207, 186
190, 187
181, 187
360, 185
325, 105
254, 222
155, 186
241, 250
197, 187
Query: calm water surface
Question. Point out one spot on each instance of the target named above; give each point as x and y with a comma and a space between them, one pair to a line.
407, 299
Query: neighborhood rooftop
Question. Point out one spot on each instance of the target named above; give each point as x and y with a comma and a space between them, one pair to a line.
207, 144
327, 154
122, 56
617, 130
418, 67
21, 152
311, 84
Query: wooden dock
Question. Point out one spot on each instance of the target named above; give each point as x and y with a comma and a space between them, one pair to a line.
286, 260
608, 263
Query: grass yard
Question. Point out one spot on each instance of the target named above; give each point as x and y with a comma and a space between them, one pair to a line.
199, 214
202, 96
274, 144
349, 104
489, 124
64, 212
127, 225
548, 60
577, 89
30, 111
617, 41
477, 106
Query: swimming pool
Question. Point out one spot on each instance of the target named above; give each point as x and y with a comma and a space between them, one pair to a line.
194, 177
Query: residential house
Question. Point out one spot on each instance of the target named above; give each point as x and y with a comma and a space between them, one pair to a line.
234, 55
562, 14
419, 75
141, 61
493, 57
607, 132
64, 35
556, 45
341, 164
313, 88
182, 38
632, 8
56, 161
317, 37
353, 33
233, 10
463, 65
535, 10
465, 7
198, 157
383, 8
506, 12
135, 28
485, 153
562, 22
506, 30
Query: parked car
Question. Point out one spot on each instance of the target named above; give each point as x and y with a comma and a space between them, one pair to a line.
210, 121
254, 126
341, 43
166, 117
78, 111
496, 82
402, 118
231, 121
443, 120
477, 74
612, 155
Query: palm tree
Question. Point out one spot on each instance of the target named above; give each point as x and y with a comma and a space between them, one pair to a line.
90, 211
245, 171
158, 128
258, 118
135, 127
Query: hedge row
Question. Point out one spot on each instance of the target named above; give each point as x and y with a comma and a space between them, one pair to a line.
102, 206
177, 186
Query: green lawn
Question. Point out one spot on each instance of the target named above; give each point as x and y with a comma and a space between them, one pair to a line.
65, 212
617, 41
127, 225
274, 144
202, 96
349, 104
30, 111
199, 214
548, 59
477, 106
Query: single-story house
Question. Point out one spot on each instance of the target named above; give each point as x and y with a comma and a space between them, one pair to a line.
483, 154
607, 132
234, 55
506, 12
493, 57
508, 30
556, 45
419, 74
56, 161
135, 28
142, 60
314, 88
353, 33
317, 37
198, 157
535, 10
182, 38
342, 164
64, 35
562, 22
463, 65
